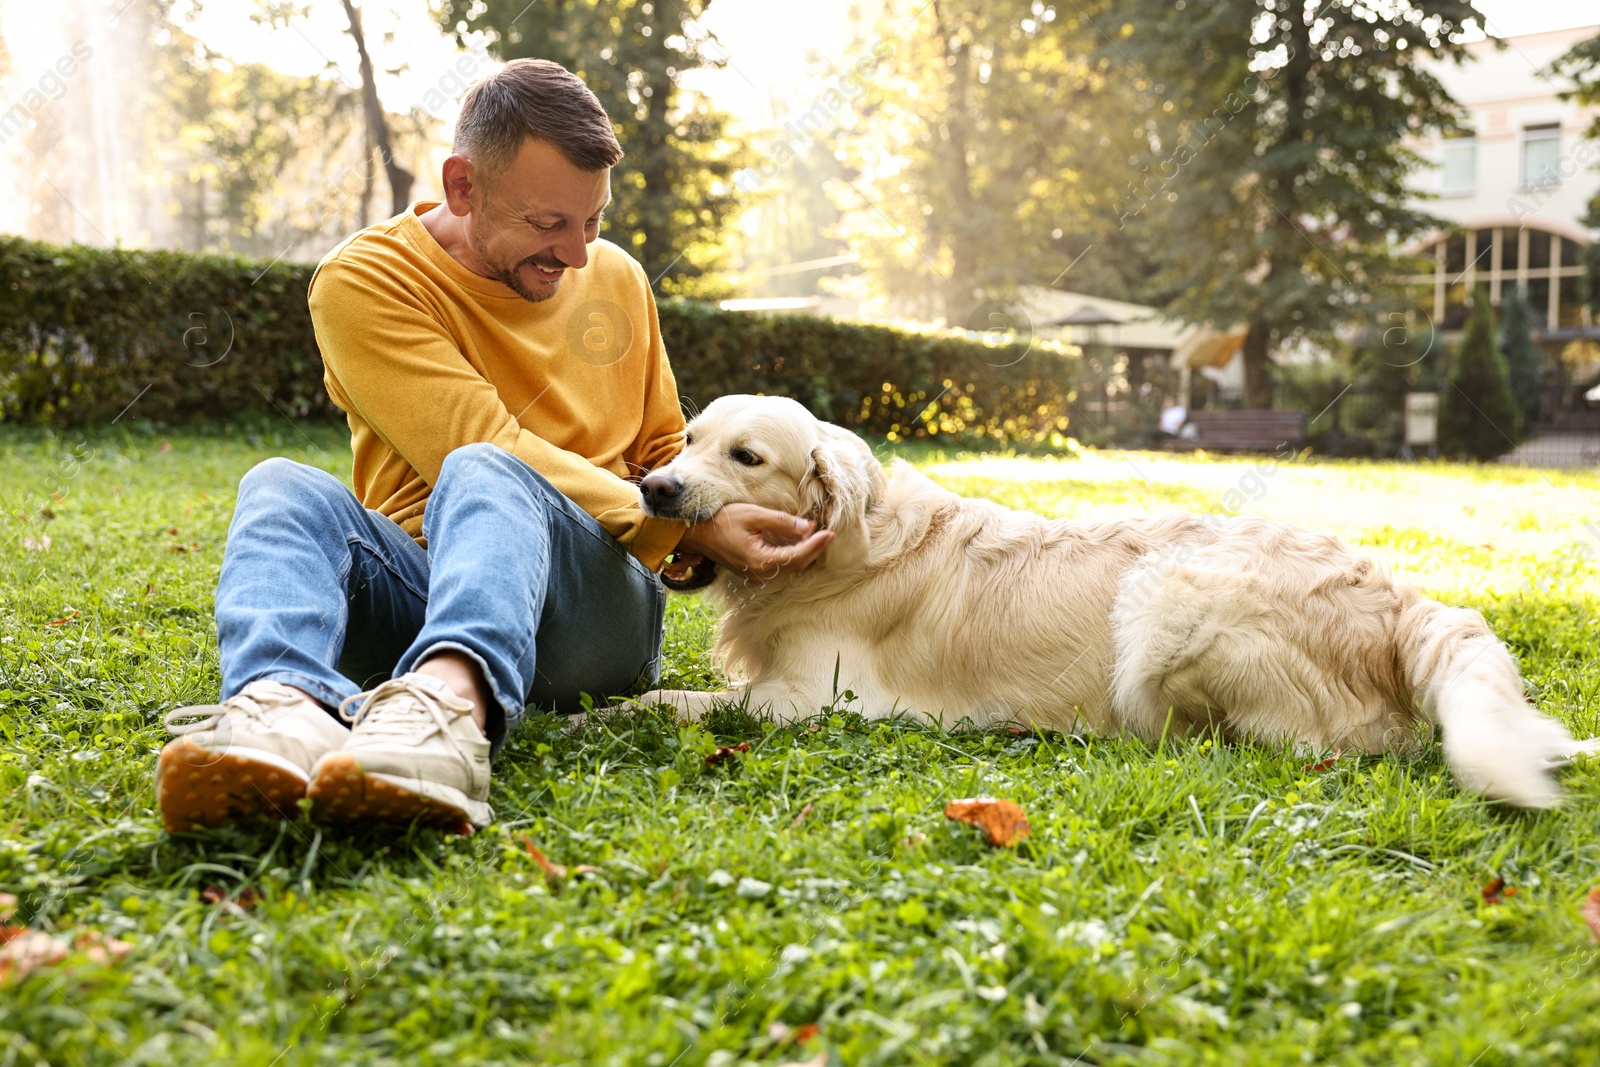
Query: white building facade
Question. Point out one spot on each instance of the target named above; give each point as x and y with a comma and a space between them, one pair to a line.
1516, 189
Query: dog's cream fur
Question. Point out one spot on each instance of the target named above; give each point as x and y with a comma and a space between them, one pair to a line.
932, 603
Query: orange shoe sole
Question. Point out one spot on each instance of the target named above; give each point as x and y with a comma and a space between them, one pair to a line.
343, 792
198, 787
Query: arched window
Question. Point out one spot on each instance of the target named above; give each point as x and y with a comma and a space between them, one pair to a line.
1495, 257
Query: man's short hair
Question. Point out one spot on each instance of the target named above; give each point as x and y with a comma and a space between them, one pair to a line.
534, 98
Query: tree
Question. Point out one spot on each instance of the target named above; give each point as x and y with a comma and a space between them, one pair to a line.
1525, 363
1582, 65
983, 138
1478, 416
377, 125
672, 198
1277, 178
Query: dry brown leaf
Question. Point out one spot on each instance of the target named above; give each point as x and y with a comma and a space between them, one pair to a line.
1591, 912
24, 950
247, 897
1318, 768
37, 544
1001, 820
805, 1033
553, 871
1495, 891
166, 446
798, 819
64, 620
725, 751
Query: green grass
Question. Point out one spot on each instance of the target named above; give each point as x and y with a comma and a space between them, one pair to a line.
1187, 903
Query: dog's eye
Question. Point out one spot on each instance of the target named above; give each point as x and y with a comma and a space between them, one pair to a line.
745, 456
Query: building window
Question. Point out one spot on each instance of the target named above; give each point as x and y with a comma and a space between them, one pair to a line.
1541, 156
1459, 166
1498, 259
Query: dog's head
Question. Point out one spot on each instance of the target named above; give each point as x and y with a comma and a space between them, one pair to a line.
770, 451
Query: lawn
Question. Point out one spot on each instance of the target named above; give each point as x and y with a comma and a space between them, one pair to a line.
805, 901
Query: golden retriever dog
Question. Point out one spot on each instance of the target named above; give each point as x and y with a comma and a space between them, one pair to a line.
931, 603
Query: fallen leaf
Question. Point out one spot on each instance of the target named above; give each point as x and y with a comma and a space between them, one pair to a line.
798, 819
63, 621
1591, 912
173, 530
24, 950
1495, 891
553, 871
1001, 820
1019, 731
8, 906
166, 446
247, 897
37, 544
725, 751
46, 513
1318, 768
805, 1033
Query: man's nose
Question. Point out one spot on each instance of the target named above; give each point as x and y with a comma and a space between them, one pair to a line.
574, 252
658, 489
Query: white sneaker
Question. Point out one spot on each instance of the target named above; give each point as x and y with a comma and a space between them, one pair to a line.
414, 755
251, 754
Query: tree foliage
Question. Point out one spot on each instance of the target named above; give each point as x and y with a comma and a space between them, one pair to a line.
672, 201
982, 144
1582, 65
1478, 416
1277, 176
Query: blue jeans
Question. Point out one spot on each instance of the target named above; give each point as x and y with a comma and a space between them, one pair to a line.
322, 594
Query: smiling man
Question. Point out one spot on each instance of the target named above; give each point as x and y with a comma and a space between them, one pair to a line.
504, 379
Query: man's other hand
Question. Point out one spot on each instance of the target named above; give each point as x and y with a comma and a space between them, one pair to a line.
756, 542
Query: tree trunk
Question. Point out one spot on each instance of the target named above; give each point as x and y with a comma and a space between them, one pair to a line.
959, 292
1257, 381
400, 179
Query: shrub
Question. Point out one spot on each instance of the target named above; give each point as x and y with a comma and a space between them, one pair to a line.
1525, 362
1478, 416
84, 332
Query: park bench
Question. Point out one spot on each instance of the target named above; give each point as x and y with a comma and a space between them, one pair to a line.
1242, 431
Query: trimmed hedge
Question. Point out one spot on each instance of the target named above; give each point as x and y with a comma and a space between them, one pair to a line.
86, 332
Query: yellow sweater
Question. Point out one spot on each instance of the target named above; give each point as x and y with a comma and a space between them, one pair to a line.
424, 356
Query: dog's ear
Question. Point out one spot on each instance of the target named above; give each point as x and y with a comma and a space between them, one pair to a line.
845, 480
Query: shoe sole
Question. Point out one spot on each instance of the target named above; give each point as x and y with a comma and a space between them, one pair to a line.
198, 787
343, 792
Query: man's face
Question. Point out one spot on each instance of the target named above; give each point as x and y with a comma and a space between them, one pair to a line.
533, 221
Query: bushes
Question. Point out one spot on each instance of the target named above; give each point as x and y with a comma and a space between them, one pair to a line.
84, 332
1478, 415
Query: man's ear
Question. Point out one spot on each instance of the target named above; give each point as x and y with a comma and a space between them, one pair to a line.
845, 479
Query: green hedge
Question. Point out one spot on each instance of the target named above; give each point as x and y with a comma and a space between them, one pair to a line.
86, 332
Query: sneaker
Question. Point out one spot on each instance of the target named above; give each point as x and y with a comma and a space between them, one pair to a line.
251, 754
414, 755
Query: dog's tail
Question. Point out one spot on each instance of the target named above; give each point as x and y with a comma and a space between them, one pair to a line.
1466, 682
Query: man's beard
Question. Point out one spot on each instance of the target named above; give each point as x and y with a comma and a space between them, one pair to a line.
511, 277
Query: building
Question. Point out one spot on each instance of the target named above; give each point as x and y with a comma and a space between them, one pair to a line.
1515, 187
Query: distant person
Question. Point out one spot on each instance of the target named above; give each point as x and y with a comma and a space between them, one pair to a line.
1173, 416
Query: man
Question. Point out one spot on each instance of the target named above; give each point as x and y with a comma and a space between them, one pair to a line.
503, 375
1173, 416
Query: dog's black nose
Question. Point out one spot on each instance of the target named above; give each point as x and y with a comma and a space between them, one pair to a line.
658, 489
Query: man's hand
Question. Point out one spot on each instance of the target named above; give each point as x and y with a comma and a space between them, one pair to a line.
756, 542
